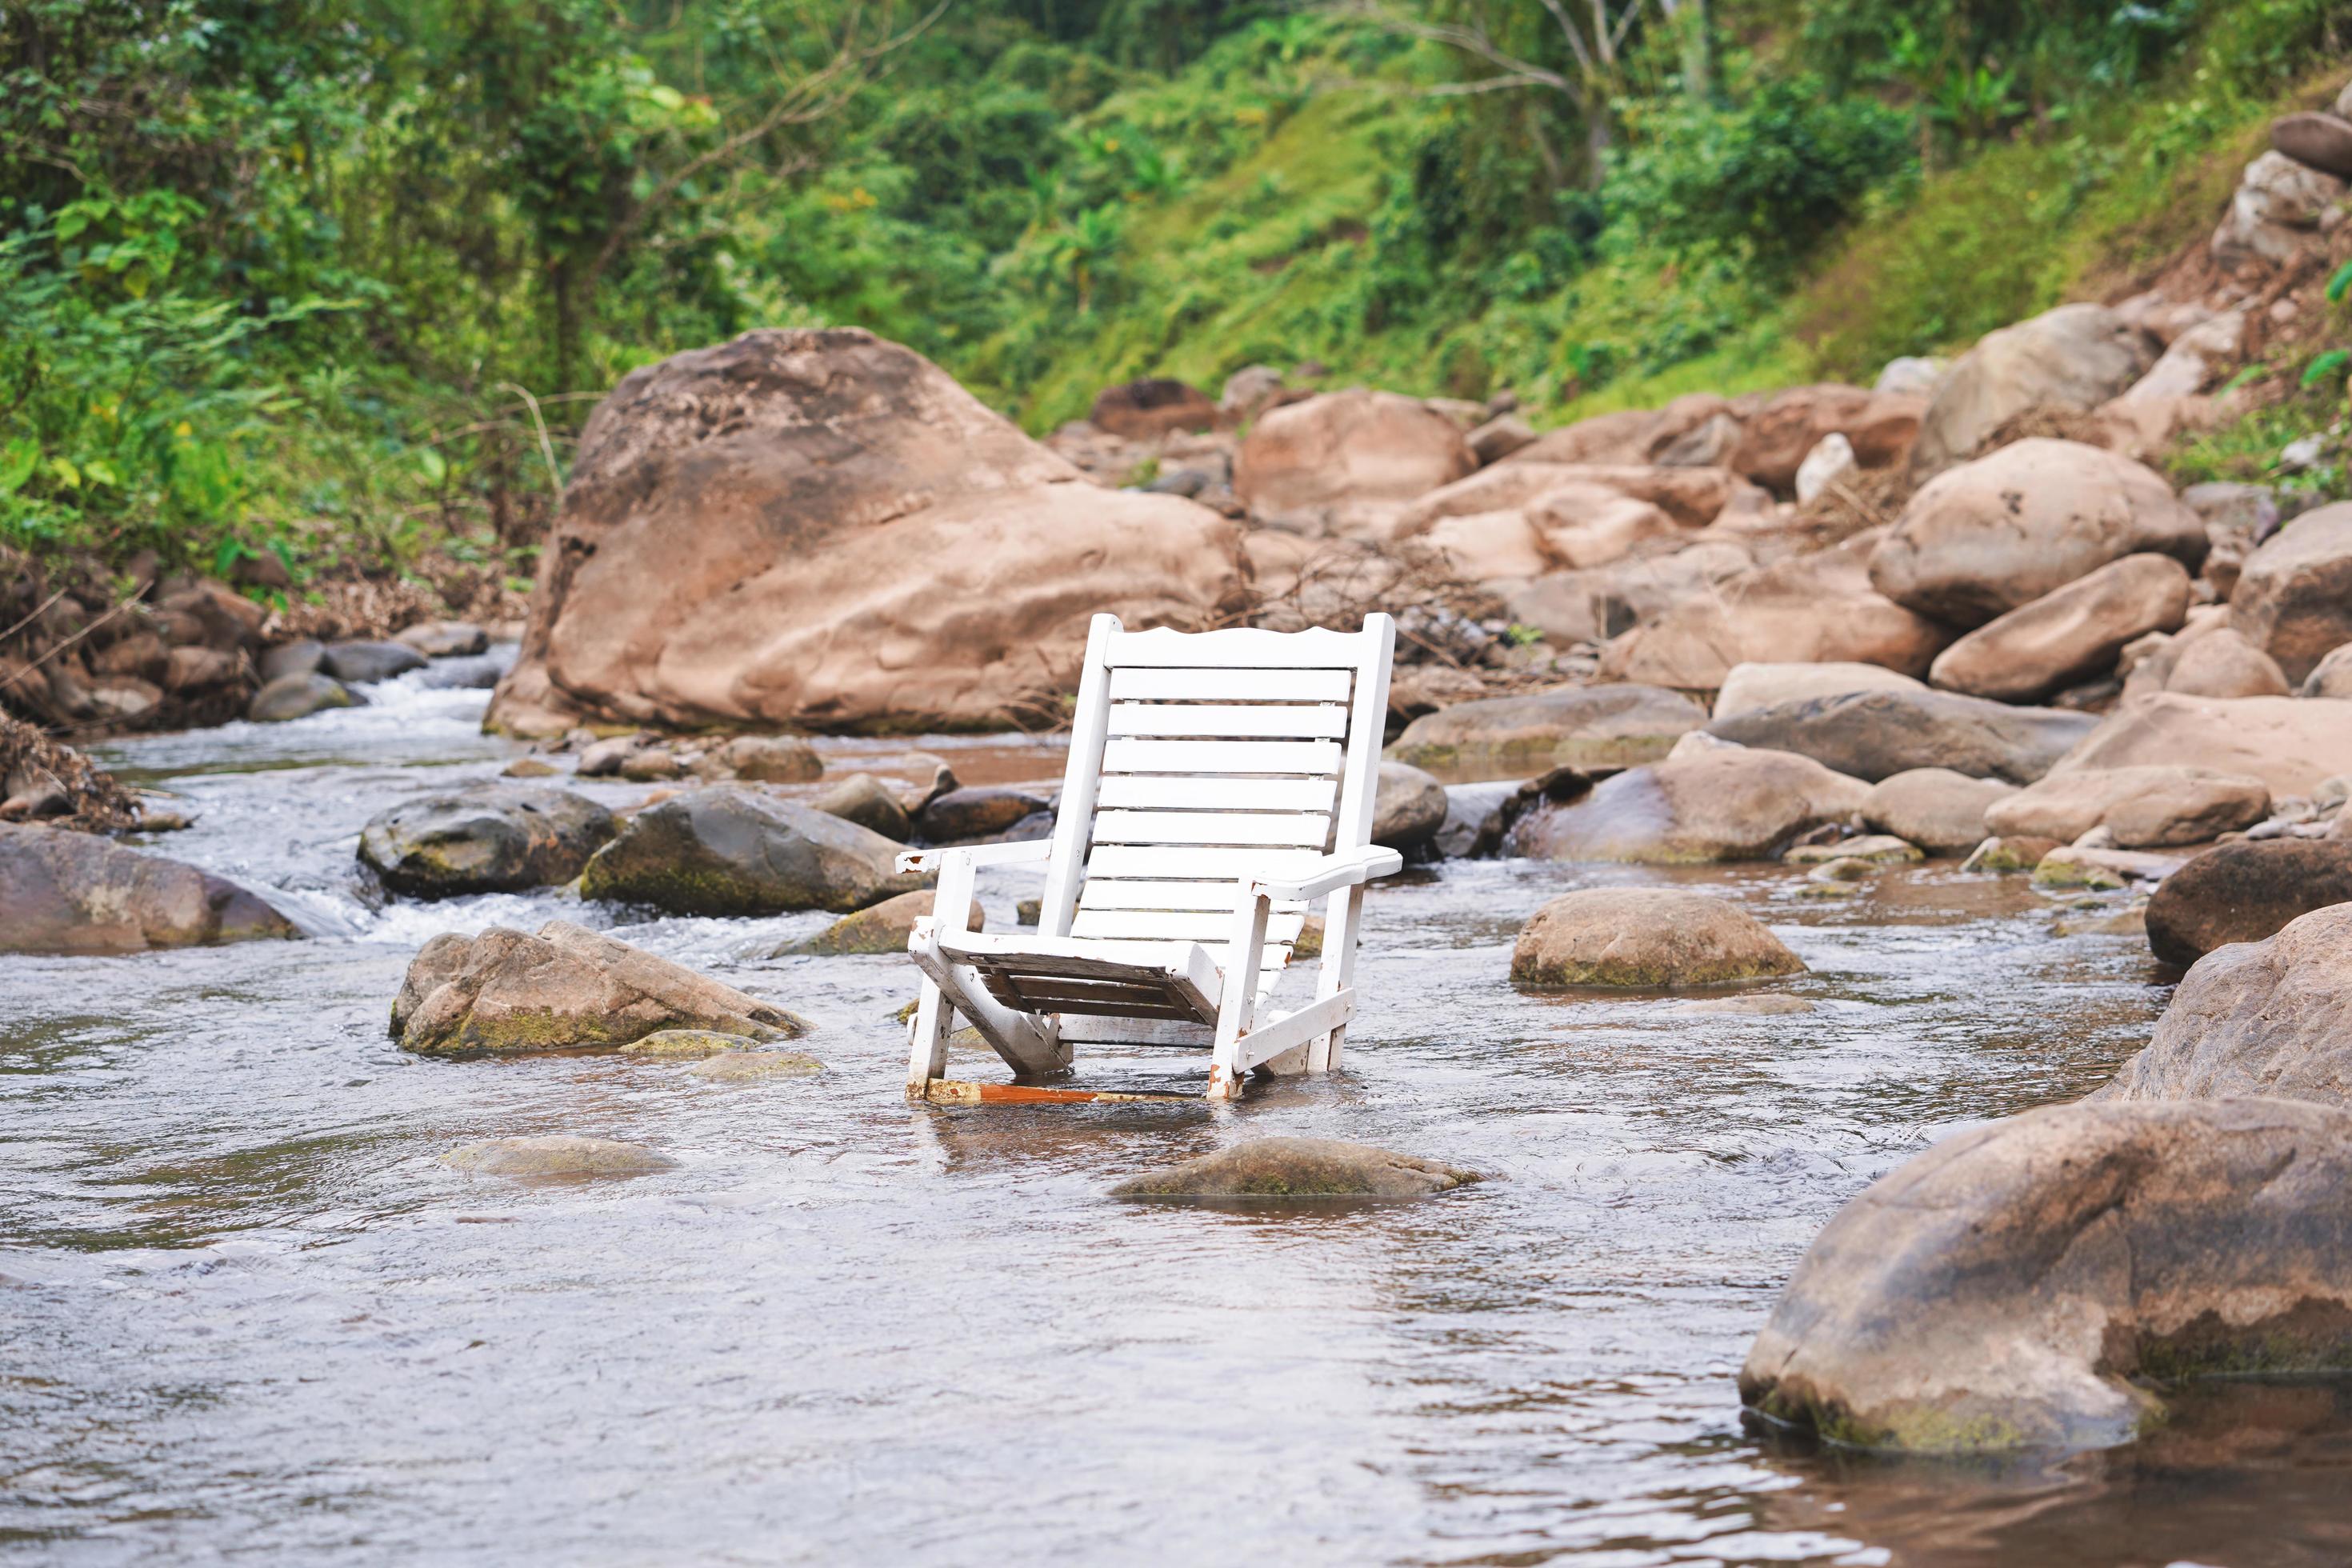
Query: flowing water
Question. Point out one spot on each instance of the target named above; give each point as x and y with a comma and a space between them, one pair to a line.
247, 1312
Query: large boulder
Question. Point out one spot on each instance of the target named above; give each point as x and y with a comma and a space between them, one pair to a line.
565, 987
2144, 807
1649, 937
2221, 663
1941, 811
2068, 634
2293, 599
1747, 687
1293, 1170
1346, 462
488, 839
67, 892
2291, 743
1810, 609
1726, 802
2246, 893
1873, 735
2029, 1284
2077, 357
1576, 727
731, 851
820, 530
1999, 532
2257, 1016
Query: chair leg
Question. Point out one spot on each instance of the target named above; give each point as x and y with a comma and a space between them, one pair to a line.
927, 1037
1029, 1045
1335, 971
1235, 1009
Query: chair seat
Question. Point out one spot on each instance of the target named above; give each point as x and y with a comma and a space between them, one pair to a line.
1101, 976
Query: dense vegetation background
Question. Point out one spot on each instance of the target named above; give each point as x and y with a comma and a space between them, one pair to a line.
338, 279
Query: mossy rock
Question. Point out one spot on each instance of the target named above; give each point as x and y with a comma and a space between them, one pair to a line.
1295, 1169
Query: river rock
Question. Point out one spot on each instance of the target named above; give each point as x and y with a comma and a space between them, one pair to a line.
2146, 806
1295, 1168
566, 986
67, 892
365, 663
1774, 441
2275, 215
725, 850
2332, 676
1151, 409
2077, 357
297, 696
557, 1155
1692, 498
813, 529
980, 811
2069, 635
2221, 663
488, 839
2291, 743
2321, 142
1346, 462
301, 657
1731, 803
1578, 727
2084, 866
754, 1067
2015, 853
444, 639
1994, 535
2259, 1016
2293, 599
1873, 735
2245, 892
1648, 937
2019, 1285
880, 928
1408, 807
764, 759
1812, 608
868, 802
1748, 687
1498, 438
1602, 603
688, 1045
1941, 811
1867, 849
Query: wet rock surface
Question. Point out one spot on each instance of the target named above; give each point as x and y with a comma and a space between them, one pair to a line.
563, 988
2012, 1287
1408, 807
2245, 892
1295, 1170
1941, 811
63, 891
2141, 807
724, 850
489, 839
1580, 727
561, 1154
1646, 937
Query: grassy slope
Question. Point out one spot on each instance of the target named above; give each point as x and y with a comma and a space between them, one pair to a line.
1263, 263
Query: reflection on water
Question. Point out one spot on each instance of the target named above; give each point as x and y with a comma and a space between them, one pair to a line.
249, 1312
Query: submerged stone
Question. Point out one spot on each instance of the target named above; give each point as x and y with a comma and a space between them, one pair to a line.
557, 1155
746, 1067
1646, 937
1296, 1168
689, 1043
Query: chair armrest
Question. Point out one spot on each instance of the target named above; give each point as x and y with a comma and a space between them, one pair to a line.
1026, 852
1331, 873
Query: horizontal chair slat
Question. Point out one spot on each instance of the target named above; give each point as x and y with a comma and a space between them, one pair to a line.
1108, 1031
1291, 829
1240, 648
1110, 893
1231, 685
1320, 758
1294, 720
1174, 862
1145, 792
1202, 926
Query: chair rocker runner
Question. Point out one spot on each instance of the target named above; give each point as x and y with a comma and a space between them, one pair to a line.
1207, 772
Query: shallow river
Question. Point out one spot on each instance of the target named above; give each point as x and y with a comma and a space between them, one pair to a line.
248, 1313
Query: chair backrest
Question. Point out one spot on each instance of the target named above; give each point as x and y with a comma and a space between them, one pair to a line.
1195, 757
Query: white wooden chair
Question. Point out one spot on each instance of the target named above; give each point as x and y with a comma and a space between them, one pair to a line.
1207, 771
